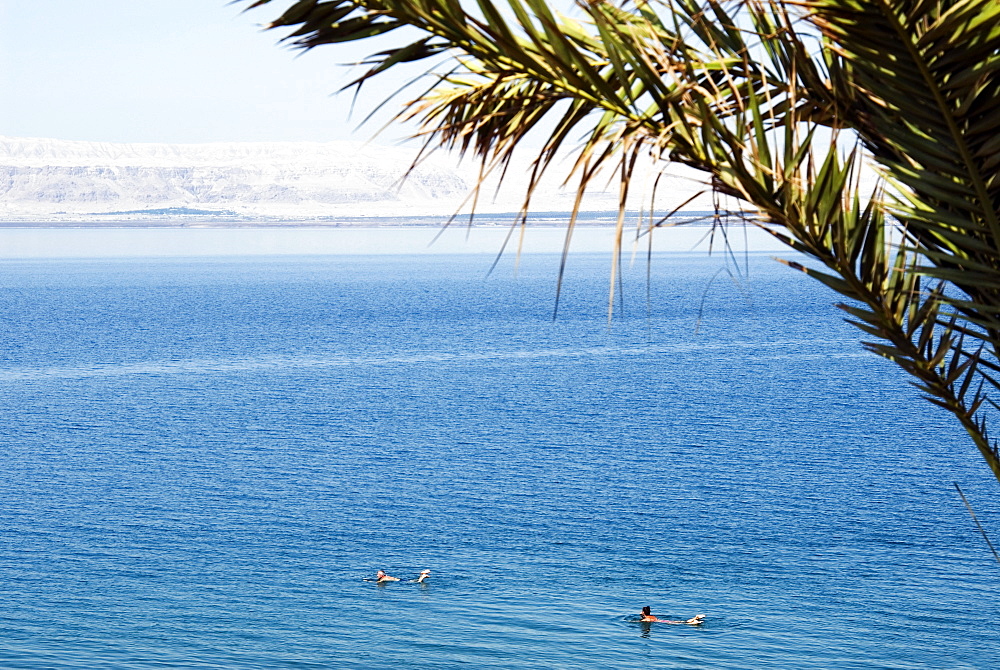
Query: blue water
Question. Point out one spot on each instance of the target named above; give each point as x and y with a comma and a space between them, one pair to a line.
202, 460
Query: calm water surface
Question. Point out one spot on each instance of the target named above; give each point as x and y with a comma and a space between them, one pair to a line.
202, 460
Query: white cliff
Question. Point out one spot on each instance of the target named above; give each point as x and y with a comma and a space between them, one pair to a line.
42, 177
47, 179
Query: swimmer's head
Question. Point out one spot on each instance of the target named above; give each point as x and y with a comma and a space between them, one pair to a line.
645, 610
425, 572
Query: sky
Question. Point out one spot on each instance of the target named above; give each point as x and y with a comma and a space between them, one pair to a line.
173, 71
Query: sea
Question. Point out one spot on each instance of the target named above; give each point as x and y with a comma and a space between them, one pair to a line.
205, 460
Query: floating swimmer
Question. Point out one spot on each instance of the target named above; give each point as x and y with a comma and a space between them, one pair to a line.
381, 577
696, 620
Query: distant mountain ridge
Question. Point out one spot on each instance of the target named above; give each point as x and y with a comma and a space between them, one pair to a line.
44, 177
63, 180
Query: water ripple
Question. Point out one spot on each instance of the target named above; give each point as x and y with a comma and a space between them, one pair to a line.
771, 351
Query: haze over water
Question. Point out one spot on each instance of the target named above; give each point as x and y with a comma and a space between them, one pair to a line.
203, 458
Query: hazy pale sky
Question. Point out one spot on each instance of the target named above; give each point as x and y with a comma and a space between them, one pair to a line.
169, 71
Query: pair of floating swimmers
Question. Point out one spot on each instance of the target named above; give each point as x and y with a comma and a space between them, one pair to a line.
647, 617
381, 577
